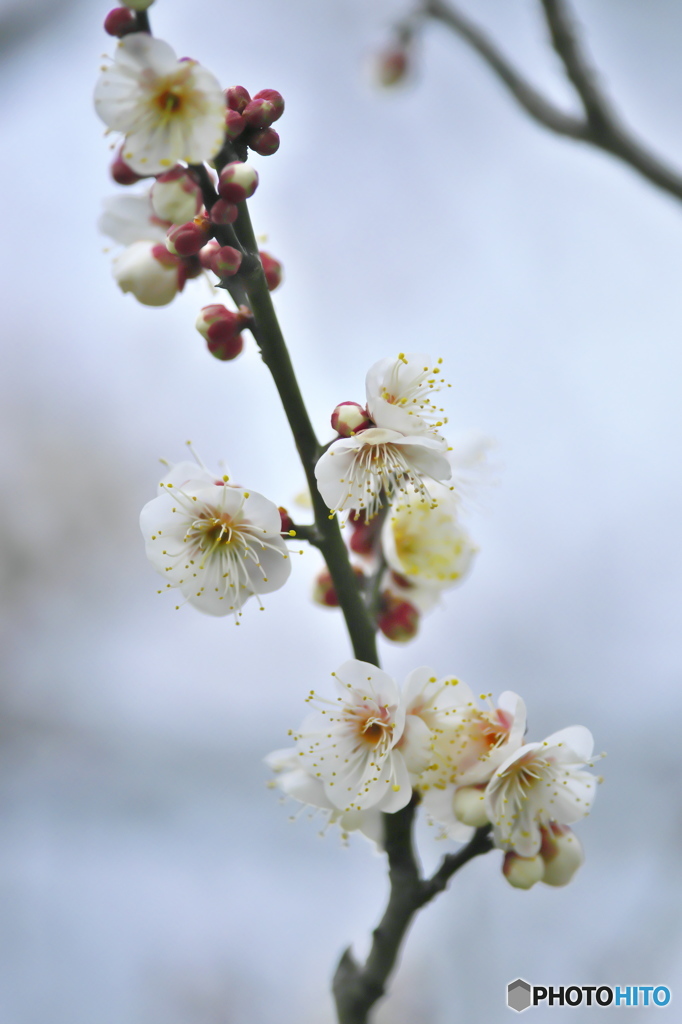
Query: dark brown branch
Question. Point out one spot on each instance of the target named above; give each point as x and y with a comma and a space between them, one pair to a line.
600, 125
357, 988
532, 101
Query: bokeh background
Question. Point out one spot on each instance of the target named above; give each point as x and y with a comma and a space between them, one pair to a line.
147, 873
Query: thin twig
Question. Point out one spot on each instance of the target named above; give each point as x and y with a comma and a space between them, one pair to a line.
531, 99
599, 126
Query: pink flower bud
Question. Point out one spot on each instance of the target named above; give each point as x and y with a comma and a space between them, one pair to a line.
206, 254
264, 109
324, 592
365, 534
175, 196
226, 261
392, 65
273, 97
121, 172
234, 124
272, 269
237, 97
221, 328
264, 141
286, 521
398, 620
120, 22
223, 212
348, 418
522, 872
237, 181
188, 239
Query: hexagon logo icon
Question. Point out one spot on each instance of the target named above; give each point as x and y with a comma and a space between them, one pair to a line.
518, 995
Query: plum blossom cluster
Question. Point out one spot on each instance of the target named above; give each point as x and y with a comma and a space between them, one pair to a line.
403, 485
216, 542
178, 128
368, 749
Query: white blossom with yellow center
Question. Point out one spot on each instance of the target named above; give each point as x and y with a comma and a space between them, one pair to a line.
217, 543
168, 109
349, 744
541, 783
427, 544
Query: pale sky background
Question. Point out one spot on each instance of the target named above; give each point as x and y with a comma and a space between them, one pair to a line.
147, 875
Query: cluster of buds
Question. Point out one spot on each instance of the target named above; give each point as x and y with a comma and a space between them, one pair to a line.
221, 328
250, 120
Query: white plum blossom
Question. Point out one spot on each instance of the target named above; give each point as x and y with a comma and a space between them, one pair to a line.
469, 743
355, 472
217, 543
349, 744
399, 394
539, 784
149, 272
427, 544
391, 458
131, 218
168, 109
297, 783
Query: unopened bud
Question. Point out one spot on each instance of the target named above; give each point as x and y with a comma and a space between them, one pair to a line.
226, 261
562, 853
265, 108
392, 66
221, 328
187, 239
272, 269
139, 5
348, 418
523, 872
121, 172
365, 534
175, 196
120, 22
469, 806
398, 620
237, 181
324, 592
264, 141
237, 97
234, 124
287, 523
223, 212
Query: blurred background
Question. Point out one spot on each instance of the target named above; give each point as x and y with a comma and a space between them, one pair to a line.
147, 874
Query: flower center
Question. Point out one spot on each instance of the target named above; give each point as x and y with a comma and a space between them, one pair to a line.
213, 530
169, 101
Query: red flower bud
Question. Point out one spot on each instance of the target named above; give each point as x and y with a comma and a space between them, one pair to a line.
234, 124
365, 534
226, 261
264, 109
237, 182
398, 620
221, 328
264, 141
237, 97
348, 418
206, 254
392, 65
120, 22
187, 239
119, 170
272, 269
223, 212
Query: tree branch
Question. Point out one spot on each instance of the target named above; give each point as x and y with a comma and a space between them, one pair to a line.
528, 97
357, 988
600, 126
